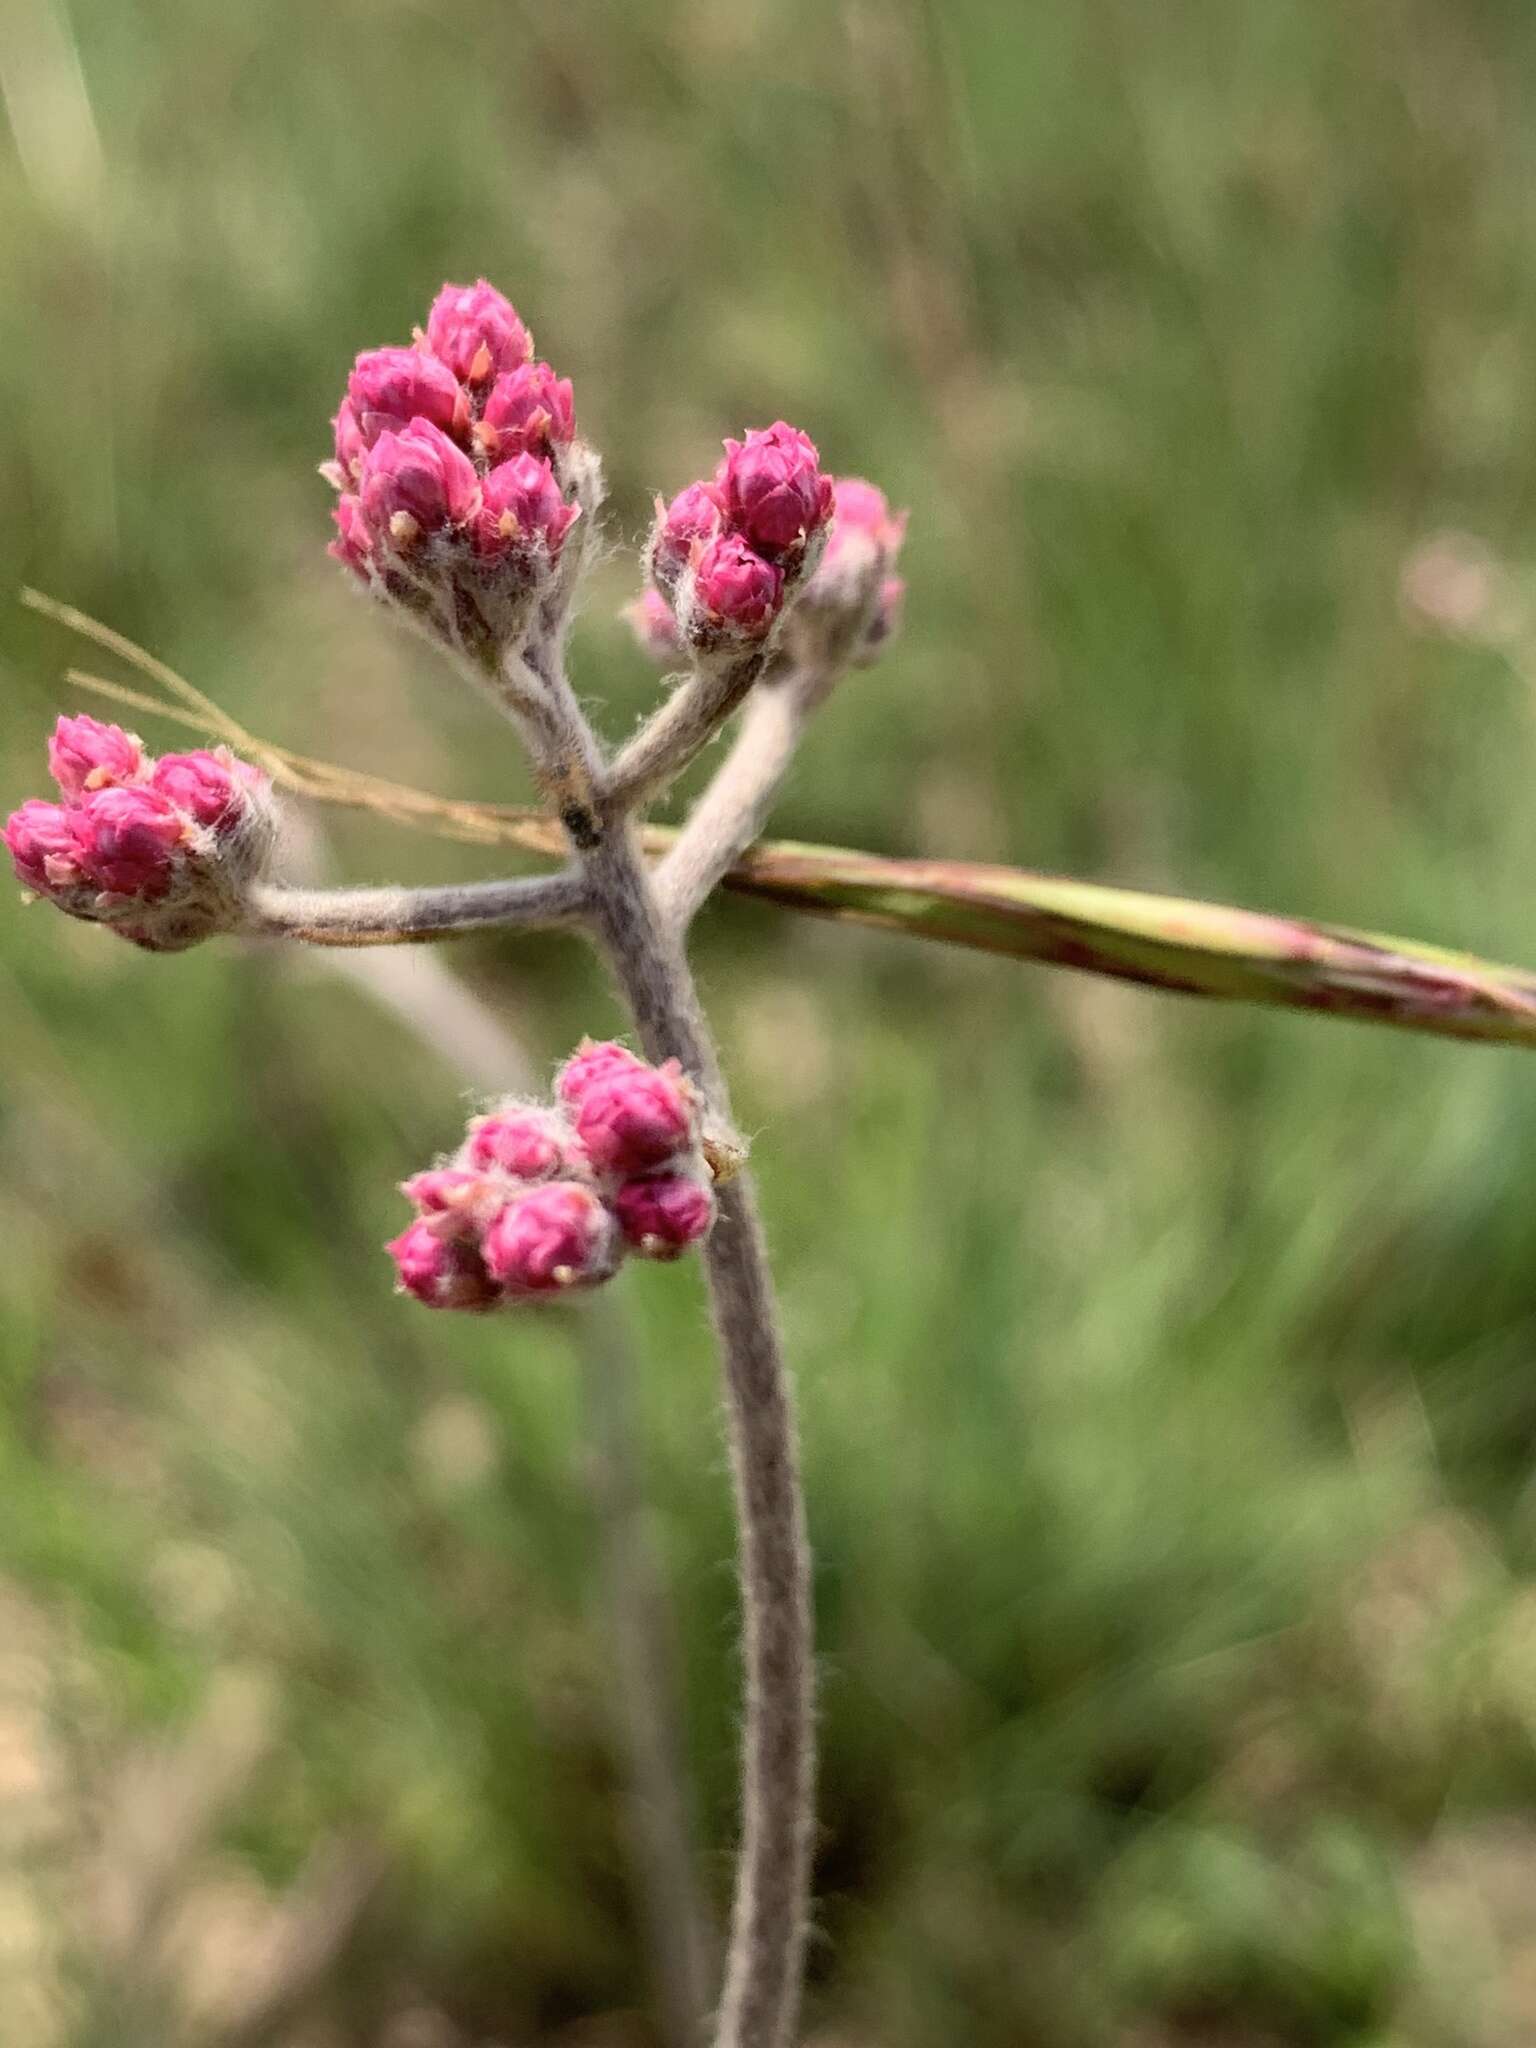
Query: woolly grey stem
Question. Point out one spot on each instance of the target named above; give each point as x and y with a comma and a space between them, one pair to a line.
733, 810
392, 917
673, 735
763, 1970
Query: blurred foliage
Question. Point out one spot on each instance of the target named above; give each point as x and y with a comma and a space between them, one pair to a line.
1167, 1374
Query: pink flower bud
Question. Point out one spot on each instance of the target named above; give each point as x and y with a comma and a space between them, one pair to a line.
655, 630
630, 1120
523, 509
530, 411
476, 332
417, 482
860, 511
771, 488
128, 840
353, 546
389, 388
208, 786
527, 1143
661, 1217
593, 1062
554, 1237
443, 1272
452, 1199
84, 755
692, 518
42, 846
350, 445
736, 585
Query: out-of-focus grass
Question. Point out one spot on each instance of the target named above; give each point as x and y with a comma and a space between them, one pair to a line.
1167, 1376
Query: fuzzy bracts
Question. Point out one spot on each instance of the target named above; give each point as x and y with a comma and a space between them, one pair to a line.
543, 1200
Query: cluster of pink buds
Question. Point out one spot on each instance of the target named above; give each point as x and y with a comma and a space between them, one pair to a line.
728, 556
161, 851
545, 1199
459, 471
850, 605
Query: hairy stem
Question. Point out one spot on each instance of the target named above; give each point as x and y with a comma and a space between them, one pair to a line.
763, 1971
392, 917
673, 735
733, 810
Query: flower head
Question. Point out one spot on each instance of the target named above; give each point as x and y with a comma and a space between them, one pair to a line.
651, 620
127, 841
208, 784
530, 411
529, 1144
737, 587
681, 530
633, 1119
662, 1215
42, 846
391, 387
593, 1062
84, 754
416, 482
552, 1238
771, 488
523, 510
476, 332
350, 446
444, 1272
861, 513
353, 545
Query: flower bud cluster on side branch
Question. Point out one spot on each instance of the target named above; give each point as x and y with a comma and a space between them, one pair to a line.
543, 1200
162, 852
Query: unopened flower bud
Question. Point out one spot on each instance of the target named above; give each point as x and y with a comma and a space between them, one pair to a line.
416, 482
443, 1272
84, 754
208, 785
554, 1237
390, 388
350, 447
456, 1201
631, 1120
353, 545
530, 411
655, 629
593, 1062
737, 588
681, 531
530, 1144
128, 840
476, 332
42, 846
660, 1217
861, 512
772, 490
523, 511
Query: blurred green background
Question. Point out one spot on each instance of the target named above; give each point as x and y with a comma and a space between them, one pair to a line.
1167, 1373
